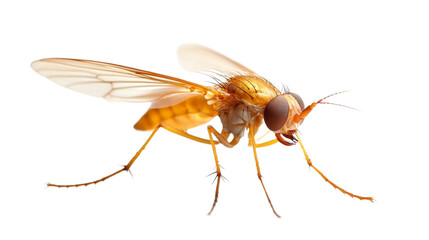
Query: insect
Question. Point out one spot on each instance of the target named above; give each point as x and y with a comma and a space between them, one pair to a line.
242, 100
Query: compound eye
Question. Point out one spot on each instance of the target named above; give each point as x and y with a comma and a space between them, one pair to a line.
276, 113
299, 100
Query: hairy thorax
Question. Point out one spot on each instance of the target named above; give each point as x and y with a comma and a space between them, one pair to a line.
248, 95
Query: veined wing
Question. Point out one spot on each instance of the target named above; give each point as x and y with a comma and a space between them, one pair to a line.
114, 82
197, 58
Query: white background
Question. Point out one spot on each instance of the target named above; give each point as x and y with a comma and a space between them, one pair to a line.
377, 49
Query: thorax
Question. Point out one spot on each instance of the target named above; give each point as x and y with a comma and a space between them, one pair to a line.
248, 96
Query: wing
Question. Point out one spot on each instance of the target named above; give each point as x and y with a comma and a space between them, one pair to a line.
197, 58
114, 82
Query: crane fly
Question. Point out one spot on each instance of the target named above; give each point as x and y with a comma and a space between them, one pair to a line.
242, 100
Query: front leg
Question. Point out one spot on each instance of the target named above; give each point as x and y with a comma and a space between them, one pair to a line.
326, 179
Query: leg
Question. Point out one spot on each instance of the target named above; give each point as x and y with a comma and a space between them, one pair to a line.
225, 142
128, 166
187, 135
252, 141
326, 179
265, 144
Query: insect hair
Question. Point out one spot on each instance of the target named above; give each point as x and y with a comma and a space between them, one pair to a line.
241, 89
220, 81
285, 89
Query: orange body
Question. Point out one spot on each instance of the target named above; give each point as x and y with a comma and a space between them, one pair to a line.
189, 109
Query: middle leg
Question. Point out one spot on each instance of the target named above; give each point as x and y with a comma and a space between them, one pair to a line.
254, 145
222, 139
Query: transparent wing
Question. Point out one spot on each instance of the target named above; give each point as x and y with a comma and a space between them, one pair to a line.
197, 58
113, 82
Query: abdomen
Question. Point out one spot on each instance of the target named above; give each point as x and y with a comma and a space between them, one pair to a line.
191, 112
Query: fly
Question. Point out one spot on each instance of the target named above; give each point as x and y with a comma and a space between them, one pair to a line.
242, 100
